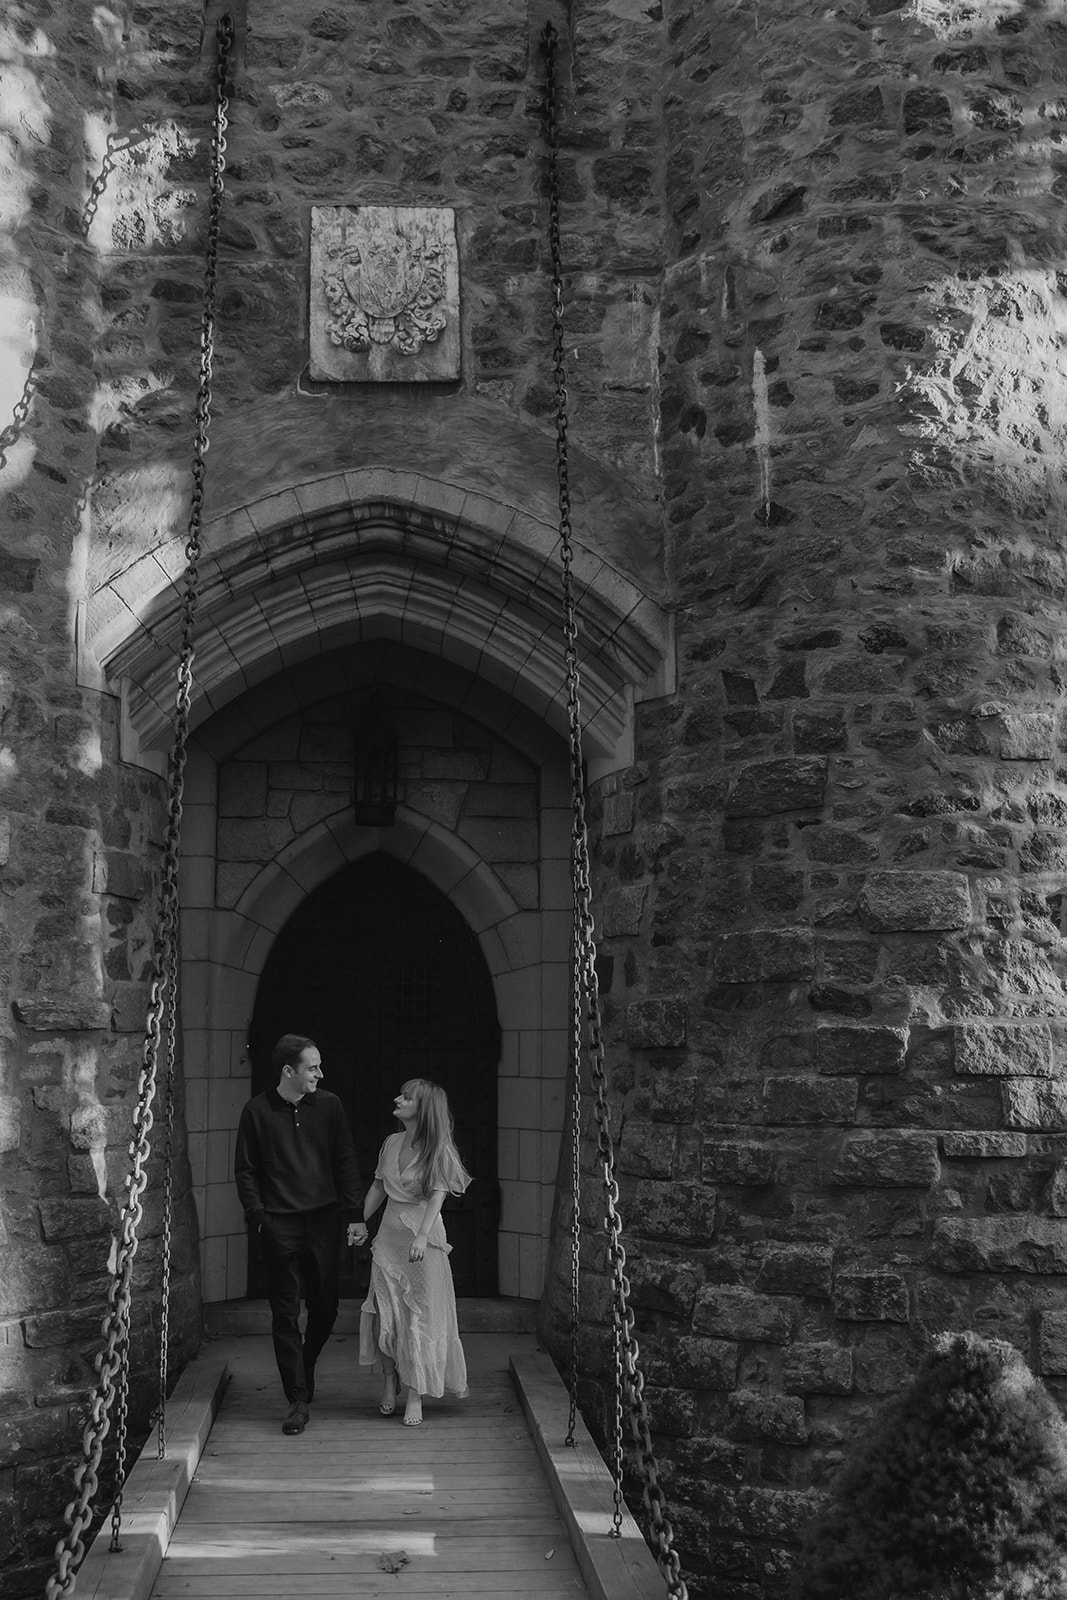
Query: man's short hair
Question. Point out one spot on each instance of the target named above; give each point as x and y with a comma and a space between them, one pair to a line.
289, 1049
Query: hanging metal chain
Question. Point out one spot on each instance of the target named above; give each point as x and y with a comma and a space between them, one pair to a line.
99, 183
626, 1350
170, 1085
112, 1360
9, 435
576, 1175
578, 937
162, 989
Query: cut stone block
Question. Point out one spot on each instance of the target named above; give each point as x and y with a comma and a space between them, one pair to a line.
870, 1297
1000, 1244
771, 955
766, 788
1000, 1050
904, 902
888, 1161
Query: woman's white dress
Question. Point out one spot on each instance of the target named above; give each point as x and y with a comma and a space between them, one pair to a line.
410, 1309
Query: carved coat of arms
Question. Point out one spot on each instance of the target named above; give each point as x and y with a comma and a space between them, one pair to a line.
385, 286
395, 296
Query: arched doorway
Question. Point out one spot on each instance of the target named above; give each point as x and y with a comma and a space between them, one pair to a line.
382, 971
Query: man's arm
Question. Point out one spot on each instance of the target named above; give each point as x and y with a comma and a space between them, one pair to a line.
372, 1200
346, 1168
246, 1167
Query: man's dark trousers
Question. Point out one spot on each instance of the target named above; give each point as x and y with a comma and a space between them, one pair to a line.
302, 1255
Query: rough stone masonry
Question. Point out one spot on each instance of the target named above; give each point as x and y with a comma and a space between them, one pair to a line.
815, 293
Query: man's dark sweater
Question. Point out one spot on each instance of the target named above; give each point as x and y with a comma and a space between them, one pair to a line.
296, 1157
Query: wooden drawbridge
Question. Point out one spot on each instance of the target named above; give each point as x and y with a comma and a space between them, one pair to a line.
482, 1500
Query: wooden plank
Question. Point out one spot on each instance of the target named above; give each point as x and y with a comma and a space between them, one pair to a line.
367, 1436
311, 1588
306, 1587
544, 1578
336, 1453
337, 1423
335, 1473
614, 1569
334, 1420
551, 1576
472, 1506
155, 1492
307, 1518
269, 1548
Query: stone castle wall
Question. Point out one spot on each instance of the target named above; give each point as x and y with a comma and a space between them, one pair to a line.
830, 885
836, 1010
420, 105
78, 833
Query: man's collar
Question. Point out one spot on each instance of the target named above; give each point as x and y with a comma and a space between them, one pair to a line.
277, 1099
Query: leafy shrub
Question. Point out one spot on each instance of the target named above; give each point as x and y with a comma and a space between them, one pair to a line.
959, 1493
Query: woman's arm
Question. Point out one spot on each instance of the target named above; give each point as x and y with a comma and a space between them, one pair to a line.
357, 1231
429, 1217
374, 1197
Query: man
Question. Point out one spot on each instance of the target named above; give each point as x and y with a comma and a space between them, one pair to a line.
296, 1174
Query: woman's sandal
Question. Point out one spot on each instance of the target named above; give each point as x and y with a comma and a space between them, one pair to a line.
387, 1407
410, 1420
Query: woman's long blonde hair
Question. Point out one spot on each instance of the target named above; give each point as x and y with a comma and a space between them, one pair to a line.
438, 1165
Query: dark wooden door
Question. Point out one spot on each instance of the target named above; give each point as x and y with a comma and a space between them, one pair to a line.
382, 971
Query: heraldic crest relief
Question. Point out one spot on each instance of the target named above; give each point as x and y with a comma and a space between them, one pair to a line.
384, 294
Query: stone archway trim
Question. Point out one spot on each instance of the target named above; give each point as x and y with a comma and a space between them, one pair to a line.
450, 864
224, 954
373, 554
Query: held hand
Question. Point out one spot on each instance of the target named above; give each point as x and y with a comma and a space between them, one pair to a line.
357, 1233
418, 1247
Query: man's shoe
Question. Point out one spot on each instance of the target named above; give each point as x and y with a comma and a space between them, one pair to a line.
296, 1419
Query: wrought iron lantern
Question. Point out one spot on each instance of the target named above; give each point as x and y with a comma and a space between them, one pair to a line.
374, 772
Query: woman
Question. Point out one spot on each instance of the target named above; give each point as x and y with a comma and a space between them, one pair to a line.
408, 1321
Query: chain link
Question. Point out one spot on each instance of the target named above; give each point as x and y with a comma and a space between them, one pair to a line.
9, 435
576, 1173
628, 1374
113, 1360
99, 183
170, 1084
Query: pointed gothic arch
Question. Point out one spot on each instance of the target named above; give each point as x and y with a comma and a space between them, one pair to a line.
378, 554
225, 952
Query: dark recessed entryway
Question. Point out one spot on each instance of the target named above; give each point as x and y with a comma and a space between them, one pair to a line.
381, 970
